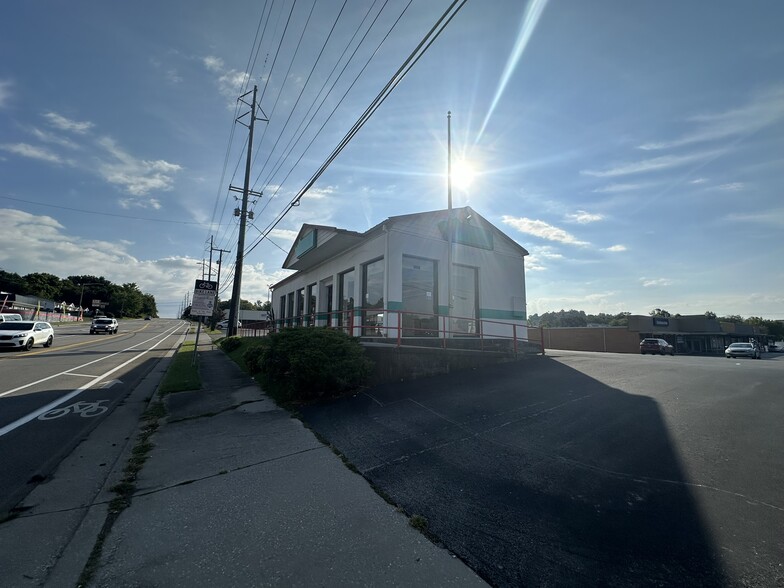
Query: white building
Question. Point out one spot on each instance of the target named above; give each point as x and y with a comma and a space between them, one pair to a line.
394, 280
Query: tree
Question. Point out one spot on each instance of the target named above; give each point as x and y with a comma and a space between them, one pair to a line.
660, 312
710, 315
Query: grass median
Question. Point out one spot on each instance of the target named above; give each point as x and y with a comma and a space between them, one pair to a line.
183, 373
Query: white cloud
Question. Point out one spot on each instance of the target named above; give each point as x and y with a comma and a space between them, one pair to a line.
731, 187
173, 76
285, 234
5, 92
47, 137
649, 165
137, 176
616, 248
542, 230
774, 217
698, 181
584, 218
32, 152
652, 283
763, 109
213, 63
65, 124
615, 188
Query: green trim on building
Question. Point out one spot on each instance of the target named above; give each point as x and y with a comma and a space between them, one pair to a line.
394, 305
501, 315
443, 310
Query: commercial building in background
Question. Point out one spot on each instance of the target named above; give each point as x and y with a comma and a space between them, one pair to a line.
396, 279
695, 335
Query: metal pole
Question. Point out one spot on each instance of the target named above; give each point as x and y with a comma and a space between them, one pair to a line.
449, 219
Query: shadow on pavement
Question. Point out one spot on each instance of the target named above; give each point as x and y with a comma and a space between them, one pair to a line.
533, 473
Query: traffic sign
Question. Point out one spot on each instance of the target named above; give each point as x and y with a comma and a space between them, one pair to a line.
204, 298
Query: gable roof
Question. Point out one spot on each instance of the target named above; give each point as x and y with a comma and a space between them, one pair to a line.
318, 243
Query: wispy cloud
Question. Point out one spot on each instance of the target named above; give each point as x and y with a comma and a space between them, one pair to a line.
616, 248
230, 81
655, 282
617, 188
763, 108
731, 187
284, 234
5, 92
653, 164
584, 218
32, 152
65, 124
137, 176
773, 217
698, 181
52, 138
542, 230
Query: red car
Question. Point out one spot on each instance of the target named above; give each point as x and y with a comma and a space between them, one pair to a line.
657, 346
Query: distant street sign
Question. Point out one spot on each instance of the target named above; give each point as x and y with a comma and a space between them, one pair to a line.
96, 302
204, 298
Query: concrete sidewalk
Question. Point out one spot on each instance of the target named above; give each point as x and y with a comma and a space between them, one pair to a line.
236, 492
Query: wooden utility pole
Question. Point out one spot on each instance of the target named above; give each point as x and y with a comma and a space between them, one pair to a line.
231, 328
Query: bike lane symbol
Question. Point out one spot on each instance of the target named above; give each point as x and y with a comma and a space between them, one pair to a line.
82, 408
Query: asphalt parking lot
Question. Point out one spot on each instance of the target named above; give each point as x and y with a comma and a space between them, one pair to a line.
584, 469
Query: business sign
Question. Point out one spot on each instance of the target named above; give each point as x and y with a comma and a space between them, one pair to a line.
204, 298
661, 321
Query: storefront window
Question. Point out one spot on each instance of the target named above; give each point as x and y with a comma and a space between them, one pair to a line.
420, 297
373, 297
346, 299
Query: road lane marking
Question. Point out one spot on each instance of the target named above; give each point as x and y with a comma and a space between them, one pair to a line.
55, 403
53, 349
67, 372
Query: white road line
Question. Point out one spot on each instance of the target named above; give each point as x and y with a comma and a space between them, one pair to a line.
80, 375
68, 371
44, 409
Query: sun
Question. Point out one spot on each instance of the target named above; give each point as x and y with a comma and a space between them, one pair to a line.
463, 174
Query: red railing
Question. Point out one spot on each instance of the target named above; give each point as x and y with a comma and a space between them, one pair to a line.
412, 328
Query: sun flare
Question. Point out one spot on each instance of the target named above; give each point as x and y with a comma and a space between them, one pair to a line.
463, 175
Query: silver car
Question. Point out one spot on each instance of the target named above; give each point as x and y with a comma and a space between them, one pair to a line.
743, 350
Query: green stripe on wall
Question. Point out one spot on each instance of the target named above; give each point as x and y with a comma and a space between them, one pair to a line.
395, 305
443, 310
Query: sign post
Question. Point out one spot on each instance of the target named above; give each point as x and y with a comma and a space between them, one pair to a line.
203, 304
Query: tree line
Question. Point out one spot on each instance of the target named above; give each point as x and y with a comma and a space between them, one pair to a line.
125, 300
578, 318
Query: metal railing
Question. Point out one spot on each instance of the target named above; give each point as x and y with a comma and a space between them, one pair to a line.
408, 328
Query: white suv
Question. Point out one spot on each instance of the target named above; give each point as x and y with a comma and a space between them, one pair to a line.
104, 325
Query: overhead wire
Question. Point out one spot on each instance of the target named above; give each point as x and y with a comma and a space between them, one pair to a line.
402, 71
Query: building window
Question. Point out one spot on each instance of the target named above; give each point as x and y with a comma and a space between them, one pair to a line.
373, 297
282, 314
420, 297
290, 309
346, 299
310, 301
465, 300
300, 306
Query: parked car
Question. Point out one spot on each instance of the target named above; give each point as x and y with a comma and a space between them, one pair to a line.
225, 323
104, 325
10, 316
24, 334
658, 346
743, 350
148, 318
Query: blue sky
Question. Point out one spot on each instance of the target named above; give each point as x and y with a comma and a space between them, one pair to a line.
635, 149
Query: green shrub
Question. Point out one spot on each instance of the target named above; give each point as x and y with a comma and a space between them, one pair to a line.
303, 364
252, 356
229, 344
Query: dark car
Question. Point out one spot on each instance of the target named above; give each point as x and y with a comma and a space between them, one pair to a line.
657, 346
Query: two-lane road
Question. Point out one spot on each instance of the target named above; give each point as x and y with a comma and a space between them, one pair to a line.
51, 398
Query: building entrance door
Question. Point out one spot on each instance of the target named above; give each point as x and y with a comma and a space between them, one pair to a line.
465, 300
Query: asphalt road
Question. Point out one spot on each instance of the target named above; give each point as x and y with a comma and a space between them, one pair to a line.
585, 469
52, 398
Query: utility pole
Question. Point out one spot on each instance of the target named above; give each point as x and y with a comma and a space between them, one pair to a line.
231, 328
220, 262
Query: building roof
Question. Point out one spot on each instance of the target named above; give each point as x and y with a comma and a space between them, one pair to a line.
316, 244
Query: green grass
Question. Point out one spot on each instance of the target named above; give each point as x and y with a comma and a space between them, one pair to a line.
182, 373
